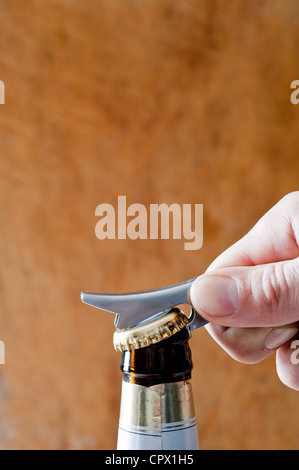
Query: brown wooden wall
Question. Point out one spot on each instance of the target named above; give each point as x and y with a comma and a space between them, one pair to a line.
162, 101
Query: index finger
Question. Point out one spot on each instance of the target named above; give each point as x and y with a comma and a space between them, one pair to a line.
275, 237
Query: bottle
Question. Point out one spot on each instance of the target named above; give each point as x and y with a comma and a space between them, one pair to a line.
157, 411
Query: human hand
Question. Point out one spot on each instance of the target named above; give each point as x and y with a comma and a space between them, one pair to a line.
250, 293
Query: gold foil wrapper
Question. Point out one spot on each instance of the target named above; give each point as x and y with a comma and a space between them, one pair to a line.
159, 417
150, 333
158, 406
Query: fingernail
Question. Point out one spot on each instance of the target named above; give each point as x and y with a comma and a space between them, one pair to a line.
216, 296
278, 336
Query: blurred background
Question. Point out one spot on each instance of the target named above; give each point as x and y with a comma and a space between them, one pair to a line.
161, 101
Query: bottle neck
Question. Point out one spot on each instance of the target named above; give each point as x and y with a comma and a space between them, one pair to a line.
164, 362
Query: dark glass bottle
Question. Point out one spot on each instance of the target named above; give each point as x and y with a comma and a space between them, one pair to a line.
157, 410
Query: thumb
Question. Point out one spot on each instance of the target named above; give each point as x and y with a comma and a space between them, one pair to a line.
249, 296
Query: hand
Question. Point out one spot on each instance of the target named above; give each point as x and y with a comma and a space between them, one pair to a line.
250, 293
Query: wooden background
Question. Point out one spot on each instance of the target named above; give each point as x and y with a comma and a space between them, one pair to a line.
162, 101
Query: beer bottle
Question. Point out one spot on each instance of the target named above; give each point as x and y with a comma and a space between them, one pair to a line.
157, 411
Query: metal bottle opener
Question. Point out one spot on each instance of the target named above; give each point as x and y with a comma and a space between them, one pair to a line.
135, 308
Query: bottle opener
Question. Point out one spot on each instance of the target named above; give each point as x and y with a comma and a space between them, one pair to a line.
135, 308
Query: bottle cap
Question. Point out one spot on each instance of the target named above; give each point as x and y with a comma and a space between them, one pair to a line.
150, 333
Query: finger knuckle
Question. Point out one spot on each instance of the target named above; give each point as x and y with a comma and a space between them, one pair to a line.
292, 197
275, 286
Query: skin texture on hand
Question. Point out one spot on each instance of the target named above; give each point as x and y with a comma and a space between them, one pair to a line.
250, 293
